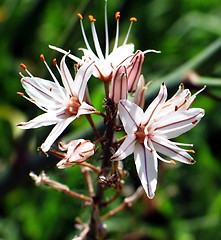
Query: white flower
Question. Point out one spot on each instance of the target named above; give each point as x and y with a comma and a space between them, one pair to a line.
78, 151
148, 133
61, 104
106, 64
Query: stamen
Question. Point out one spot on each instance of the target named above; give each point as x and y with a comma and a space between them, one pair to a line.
83, 32
20, 94
54, 61
53, 76
171, 161
91, 18
21, 74
23, 66
95, 37
106, 30
42, 57
117, 17
191, 151
195, 121
26, 69
133, 19
80, 16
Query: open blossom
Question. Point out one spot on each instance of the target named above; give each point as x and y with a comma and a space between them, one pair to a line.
107, 64
78, 151
148, 133
61, 104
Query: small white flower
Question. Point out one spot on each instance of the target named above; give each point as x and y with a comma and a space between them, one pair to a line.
78, 151
148, 133
107, 63
61, 104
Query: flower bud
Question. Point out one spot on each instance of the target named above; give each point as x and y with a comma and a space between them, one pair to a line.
119, 89
78, 151
134, 70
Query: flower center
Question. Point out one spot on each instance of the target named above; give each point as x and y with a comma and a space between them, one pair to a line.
140, 134
72, 107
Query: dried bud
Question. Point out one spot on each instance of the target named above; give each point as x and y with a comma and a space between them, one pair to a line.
78, 151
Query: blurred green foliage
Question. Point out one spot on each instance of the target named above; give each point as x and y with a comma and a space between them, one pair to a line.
187, 205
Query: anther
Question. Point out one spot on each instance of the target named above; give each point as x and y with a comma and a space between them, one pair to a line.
42, 58
20, 94
54, 61
80, 16
133, 19
91, 18
117, 15
195, 121
23, 66
191, 151
172, 162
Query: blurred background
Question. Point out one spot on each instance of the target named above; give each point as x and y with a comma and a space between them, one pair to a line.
187, 205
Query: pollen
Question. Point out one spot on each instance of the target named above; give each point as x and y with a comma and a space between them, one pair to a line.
54, 61
42, 57
80, 16
191, 151
20, 94
133, 19
91, 18
117, 15
195, 121
172, 162
23, 66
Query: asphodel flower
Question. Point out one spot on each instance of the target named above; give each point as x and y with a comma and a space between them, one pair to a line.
107, 63
61, 104
78, 151
149, 133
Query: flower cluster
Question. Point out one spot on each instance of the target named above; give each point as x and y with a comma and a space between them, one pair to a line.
148, 132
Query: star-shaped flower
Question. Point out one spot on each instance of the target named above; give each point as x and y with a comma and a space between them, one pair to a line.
148, 133
106, 64
61, 104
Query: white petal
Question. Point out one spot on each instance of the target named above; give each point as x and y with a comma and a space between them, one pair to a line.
126, 148
121, 54
85, 109
81, 79
55, 133
45, 119
131, 115
146, 165
179, 122
89, 54
43, 92
156, 106
170, 150
103, 69
76, 59
66, 77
